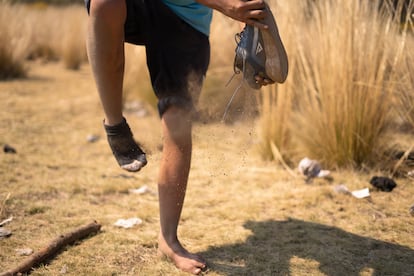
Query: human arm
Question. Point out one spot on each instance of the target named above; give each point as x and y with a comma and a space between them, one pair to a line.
249, 12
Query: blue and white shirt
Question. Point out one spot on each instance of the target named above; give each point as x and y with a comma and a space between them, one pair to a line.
195, 14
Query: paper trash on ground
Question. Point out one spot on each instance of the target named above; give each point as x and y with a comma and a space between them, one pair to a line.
4, 222
342, 189
140, 191
358, 193
4, 233
128, 223
24, 251
361, 193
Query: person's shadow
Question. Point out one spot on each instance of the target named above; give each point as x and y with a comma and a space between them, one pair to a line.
272, 245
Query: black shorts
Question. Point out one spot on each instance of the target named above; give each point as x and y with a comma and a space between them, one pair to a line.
177, 54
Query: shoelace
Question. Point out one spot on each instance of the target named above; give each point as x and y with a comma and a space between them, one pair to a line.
238, 37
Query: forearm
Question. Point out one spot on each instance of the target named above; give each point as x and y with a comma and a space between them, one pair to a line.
220, 5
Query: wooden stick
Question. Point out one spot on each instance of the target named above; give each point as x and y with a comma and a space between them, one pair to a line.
52, 248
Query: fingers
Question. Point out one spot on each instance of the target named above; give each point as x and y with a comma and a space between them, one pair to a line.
255, 4
250, 12
263, 81
256, 23
255, 11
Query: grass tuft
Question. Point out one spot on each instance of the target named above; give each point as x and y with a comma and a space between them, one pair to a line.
13, 42
344, 74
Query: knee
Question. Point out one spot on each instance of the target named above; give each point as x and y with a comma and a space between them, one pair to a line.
177, 122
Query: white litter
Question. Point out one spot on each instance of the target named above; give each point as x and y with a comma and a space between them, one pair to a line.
24, 251
361, 193
311, 168
4, 222
128, 223
92, 138
4, 233
140, 191
342, 189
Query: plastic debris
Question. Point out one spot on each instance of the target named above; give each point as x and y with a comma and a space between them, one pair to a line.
382, 183
342, 189
311, 169
24, 251
128, 223
140, 191
4, 222
92, 138
363, 193
4, 233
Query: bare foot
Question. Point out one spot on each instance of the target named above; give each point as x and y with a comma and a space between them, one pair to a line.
182, 259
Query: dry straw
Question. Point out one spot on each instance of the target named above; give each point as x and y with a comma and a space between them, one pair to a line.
40, 31
350, 65
345, 62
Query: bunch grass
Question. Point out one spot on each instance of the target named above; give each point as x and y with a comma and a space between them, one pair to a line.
344, 78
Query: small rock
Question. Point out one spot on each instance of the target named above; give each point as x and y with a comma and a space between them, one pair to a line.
9, 149
412, 210
382, 183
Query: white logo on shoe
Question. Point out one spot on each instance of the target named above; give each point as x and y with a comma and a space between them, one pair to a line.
259, 48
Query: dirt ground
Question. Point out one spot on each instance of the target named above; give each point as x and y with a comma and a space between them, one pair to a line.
244, 215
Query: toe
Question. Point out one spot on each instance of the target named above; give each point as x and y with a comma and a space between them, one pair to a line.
133, 167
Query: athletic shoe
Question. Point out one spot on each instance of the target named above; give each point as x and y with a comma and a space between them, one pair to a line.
261, 52
127, 153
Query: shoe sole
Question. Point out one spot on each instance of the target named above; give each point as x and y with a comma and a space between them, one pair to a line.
135, 166
276, 58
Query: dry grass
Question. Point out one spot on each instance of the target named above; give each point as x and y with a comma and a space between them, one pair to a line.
246, 216
13, 43
349, 62
137, 84
47, 32
405, 96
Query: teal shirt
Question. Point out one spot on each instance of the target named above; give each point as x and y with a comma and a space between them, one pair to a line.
195, 14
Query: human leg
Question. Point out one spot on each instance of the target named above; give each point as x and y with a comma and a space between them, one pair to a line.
177, 58
172, 184
105, 45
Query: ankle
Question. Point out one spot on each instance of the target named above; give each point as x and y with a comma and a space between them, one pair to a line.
127, 152
168, 239
113, 121
120, 128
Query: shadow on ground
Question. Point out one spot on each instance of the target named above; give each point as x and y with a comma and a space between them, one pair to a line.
273, 244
